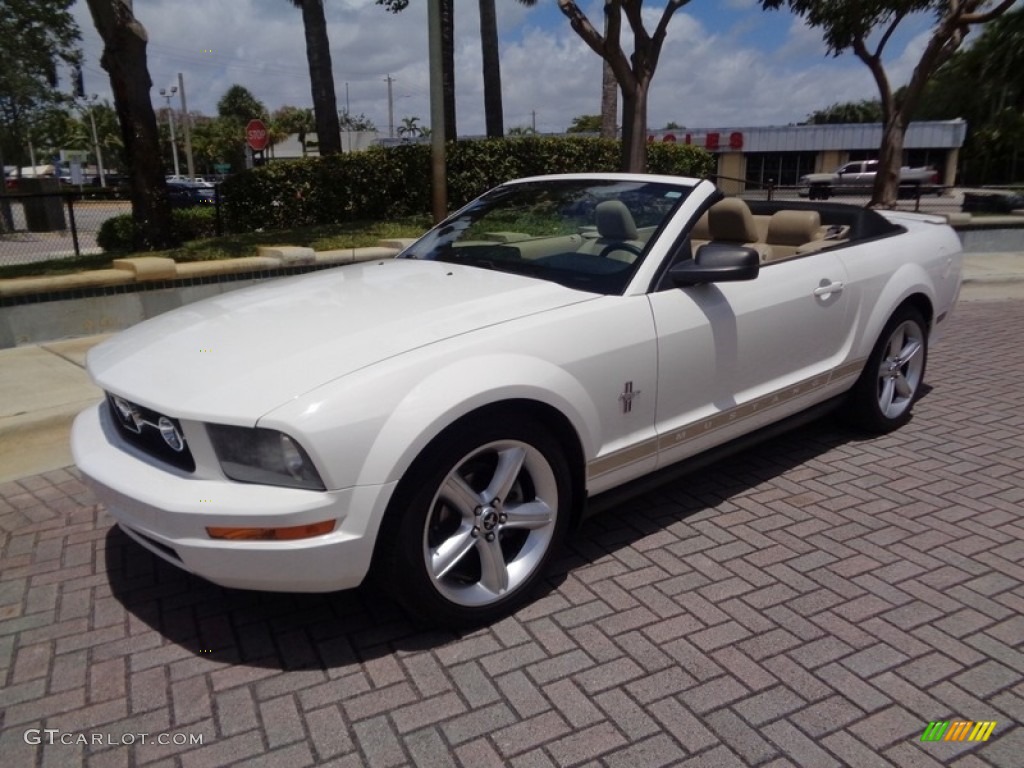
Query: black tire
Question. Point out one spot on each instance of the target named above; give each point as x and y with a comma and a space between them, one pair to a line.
884, 395
819, 192
454, 553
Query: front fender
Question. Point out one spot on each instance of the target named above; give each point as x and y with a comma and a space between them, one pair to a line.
367, 429
443, 398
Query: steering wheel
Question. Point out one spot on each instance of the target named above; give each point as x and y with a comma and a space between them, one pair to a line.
623, 246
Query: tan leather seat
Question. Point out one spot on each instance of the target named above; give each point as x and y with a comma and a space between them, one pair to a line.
615, 226
700, 233
730, 221
788, 230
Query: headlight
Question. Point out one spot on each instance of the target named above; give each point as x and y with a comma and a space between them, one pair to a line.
256, 455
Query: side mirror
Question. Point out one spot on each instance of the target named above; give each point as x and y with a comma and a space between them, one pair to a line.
717, 263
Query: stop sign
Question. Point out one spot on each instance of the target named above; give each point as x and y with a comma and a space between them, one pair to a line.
256, 135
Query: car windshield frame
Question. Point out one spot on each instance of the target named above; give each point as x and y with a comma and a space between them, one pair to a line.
552, 229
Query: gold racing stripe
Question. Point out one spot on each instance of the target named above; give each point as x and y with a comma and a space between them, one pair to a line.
649, 447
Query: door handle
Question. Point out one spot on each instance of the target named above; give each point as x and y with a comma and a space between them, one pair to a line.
831, 288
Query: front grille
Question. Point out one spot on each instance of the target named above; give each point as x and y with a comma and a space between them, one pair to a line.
141, 427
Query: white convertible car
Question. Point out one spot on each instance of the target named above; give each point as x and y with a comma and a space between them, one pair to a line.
445, 416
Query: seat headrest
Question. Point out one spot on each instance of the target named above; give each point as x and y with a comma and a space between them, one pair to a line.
702, 229
793, 227
731, 220
614, 221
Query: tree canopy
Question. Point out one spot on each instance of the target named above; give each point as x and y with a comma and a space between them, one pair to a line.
37, 37
239, 104
585, 124
863, 111
866, 28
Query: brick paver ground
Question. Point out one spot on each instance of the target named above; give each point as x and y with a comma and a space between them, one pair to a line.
814, 602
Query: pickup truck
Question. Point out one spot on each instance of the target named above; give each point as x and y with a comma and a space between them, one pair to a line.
858, 176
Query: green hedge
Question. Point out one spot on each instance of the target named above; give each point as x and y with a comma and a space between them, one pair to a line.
395, 182
115, 233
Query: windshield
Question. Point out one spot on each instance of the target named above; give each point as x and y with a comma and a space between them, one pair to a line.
582, 233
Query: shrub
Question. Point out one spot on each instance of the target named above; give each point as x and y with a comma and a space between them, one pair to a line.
381, 184
116, 234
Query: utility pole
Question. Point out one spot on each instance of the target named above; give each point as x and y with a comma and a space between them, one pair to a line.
170, 119
187, 127
96, 141
391, 108
533, 120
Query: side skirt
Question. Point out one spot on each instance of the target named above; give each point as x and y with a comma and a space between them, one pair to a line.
615, 496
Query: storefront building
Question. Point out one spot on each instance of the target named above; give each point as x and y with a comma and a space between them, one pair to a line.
754, 158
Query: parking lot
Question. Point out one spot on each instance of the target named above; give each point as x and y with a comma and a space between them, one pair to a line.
816, 601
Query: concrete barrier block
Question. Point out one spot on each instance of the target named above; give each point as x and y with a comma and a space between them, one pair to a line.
401, 243
26, 286
336, 256
958, 218
148, 267
288, 254
195, 269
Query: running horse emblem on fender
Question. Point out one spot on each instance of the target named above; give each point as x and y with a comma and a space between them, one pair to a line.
627, 396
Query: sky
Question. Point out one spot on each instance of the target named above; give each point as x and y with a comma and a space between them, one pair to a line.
725, 63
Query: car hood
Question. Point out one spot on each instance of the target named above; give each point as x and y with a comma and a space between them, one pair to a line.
235, 357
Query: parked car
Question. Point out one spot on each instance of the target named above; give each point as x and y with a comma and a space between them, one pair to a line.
858, 177
183, 194
445, 416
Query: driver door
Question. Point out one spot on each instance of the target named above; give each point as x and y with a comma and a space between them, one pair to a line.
735, 356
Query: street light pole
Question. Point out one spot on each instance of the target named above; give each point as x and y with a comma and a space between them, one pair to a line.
187, 124
96, 141
170, 119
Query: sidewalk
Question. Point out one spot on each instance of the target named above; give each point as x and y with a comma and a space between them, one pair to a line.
44, 386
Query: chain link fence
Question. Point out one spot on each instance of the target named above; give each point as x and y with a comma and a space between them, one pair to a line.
40, 226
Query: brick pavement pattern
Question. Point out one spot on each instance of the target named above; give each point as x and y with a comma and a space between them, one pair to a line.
813, 602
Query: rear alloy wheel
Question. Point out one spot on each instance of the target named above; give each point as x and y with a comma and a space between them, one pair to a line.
489, 508
884, 395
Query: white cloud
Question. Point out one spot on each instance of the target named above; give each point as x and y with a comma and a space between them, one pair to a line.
707, 77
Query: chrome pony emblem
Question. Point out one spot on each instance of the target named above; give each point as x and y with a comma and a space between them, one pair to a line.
627, 396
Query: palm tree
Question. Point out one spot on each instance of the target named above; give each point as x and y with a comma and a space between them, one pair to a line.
447, 13
492, 66
409, 127
321, 75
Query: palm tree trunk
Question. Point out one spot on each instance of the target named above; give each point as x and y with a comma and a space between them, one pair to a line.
448, 67
321, 76
492, 70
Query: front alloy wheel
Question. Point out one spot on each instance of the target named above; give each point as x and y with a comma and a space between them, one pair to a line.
485, 509
490, 523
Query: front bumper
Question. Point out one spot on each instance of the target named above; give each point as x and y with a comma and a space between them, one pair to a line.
167, 511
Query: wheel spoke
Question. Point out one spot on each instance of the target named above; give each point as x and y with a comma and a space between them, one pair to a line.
903, 387
510, 462
888, 394
530, 516
451, 552
459, 495
908, 352
493, 570
896, 344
